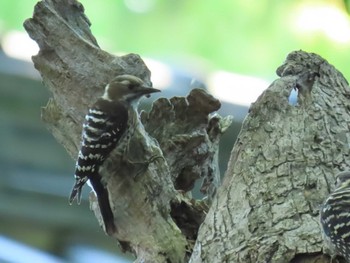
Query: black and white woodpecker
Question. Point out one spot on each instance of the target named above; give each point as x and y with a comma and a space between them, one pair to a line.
106, 125
335, 217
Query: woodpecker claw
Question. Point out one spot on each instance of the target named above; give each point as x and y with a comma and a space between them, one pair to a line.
76, 192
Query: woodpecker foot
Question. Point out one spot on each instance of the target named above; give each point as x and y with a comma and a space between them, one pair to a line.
141, 167
155, 157
147, 162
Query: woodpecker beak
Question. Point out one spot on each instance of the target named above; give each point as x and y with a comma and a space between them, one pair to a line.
147, 91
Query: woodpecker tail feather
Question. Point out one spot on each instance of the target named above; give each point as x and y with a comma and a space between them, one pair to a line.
105, 207
76, 191
106, 212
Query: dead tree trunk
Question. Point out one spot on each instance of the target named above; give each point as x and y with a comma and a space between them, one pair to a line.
281, 168
149, 181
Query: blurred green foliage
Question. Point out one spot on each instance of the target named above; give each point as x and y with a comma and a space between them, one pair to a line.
347, 5
244, 36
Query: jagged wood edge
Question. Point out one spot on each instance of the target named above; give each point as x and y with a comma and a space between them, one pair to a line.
281, 169
75, 70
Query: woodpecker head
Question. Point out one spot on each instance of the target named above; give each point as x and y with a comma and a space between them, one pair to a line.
343, 180
127, 88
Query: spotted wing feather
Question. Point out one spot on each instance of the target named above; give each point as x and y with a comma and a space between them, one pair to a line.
104, 125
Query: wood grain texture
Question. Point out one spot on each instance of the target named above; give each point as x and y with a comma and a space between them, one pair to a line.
281, 169
149, 183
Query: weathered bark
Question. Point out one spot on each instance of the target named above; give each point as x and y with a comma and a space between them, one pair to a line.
149, 182
281, 169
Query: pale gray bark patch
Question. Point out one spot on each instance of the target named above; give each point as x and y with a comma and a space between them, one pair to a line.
281, 169
150, 180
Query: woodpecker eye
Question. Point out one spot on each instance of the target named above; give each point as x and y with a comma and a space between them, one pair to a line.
133, 86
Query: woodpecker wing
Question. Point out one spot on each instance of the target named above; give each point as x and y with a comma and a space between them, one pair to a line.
104, 125
335, 221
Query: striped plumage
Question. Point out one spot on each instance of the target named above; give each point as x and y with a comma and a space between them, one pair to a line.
335, 217
104, 126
